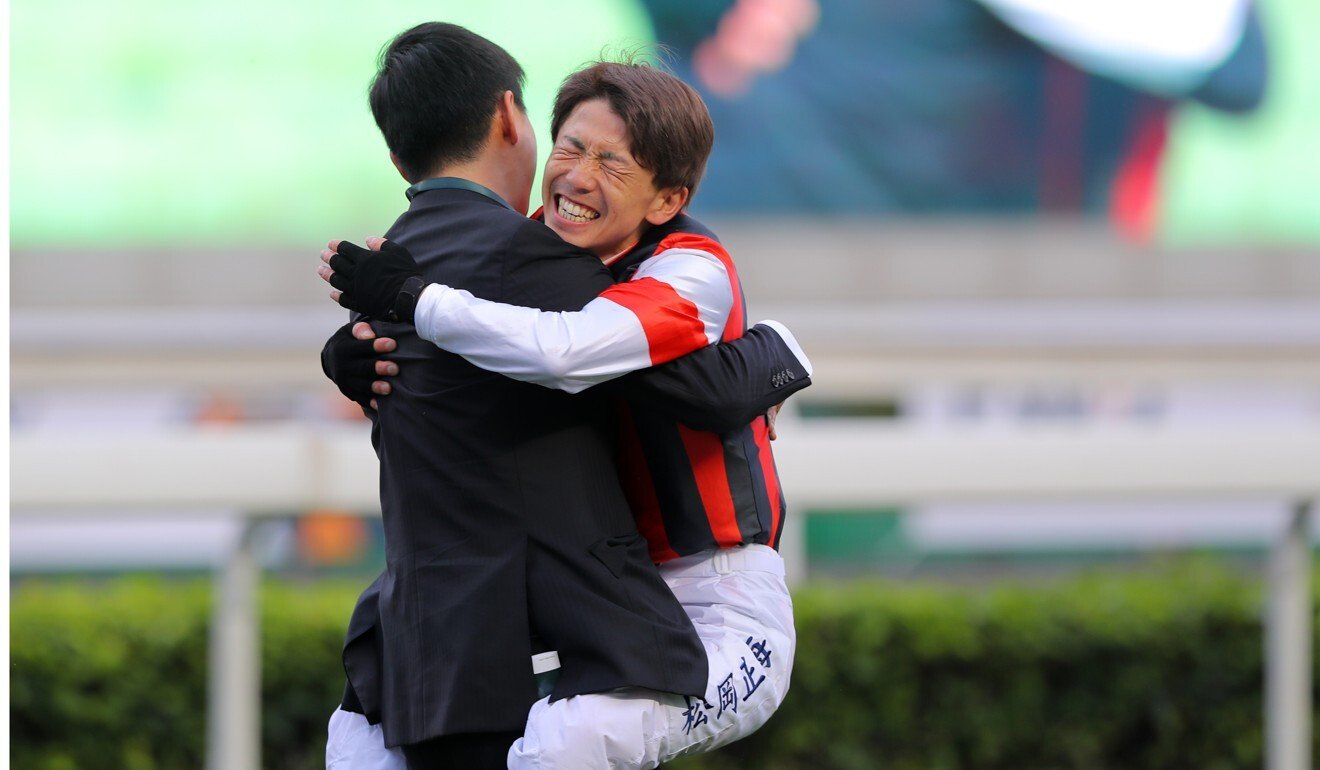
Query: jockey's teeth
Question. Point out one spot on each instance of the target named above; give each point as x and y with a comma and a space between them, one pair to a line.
575, 213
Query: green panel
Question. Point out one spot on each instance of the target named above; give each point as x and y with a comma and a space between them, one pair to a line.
844, 538
148, 123
878, 408
1252, 180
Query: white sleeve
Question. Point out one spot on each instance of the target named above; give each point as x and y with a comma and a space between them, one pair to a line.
678, 301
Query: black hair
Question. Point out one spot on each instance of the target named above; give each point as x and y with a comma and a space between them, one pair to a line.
435, 91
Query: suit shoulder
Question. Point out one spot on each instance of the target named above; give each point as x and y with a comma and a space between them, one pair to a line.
682, 231
534, 240
542, 270
684, 223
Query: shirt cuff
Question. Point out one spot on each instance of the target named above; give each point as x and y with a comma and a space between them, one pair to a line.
430, 310
789, 340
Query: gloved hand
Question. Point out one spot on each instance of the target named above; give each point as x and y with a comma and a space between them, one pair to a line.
352, 359
381, 284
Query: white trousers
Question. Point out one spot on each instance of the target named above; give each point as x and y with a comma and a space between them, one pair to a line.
356, 744
741, 609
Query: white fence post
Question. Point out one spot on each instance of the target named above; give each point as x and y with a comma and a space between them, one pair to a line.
233, 714
1288, 648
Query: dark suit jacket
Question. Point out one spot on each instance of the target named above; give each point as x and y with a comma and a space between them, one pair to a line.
502, 511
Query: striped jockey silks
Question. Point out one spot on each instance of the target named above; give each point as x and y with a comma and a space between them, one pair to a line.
693, 490
678, 292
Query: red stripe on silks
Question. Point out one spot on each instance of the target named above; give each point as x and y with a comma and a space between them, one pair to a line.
761, 435
671, 322
1135, 203
705, 452
737, 324
639, 488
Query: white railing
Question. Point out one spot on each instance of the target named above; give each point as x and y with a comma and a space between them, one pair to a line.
861, 349
265, 471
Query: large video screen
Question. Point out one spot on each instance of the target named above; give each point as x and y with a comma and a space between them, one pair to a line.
151, 123
143, 122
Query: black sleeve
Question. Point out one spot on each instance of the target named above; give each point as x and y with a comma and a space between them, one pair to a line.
721, 387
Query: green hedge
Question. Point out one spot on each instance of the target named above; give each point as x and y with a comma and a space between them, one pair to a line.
1157, 670
113, 674
1153, 671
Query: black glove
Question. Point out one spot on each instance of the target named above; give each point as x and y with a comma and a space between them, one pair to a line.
380, 284
351, 364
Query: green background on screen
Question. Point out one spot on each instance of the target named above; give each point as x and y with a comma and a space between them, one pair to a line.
206, 123
1244, 180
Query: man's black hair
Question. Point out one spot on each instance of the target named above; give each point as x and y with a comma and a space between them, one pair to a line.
435, 92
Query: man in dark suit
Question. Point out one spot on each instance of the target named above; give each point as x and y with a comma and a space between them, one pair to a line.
500, 525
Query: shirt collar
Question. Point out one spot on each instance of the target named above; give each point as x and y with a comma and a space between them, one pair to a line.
454, 183
611, 260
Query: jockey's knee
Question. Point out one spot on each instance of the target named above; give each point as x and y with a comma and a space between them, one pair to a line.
585, 732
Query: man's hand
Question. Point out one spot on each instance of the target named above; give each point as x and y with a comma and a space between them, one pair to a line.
351, 359
383, 282
770, 417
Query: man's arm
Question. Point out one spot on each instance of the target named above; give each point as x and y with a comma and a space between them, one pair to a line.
679, 301
724, 387
716, 388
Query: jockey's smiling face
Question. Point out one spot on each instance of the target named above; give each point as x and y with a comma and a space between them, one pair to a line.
596, 194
